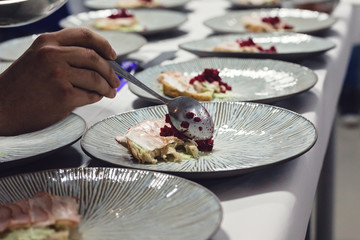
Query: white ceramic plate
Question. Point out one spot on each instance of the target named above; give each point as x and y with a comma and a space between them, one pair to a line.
127, 204
154, 20
105, 4
303, 21
39, 143
254, 80
256, 4
4, 66
12, 49
122, 43
248, 136
289, 46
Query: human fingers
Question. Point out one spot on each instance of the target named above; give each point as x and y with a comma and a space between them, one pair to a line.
92, 81
85, 38
81, 97
88, 59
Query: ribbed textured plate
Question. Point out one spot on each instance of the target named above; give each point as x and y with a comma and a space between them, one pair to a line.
254, 80
154, 20
126, 204
289, 46
35, 144
303, 21
101, 4
247, 136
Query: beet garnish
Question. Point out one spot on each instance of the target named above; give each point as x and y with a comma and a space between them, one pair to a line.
271, 20
210, 75
190, 115
250, 43
123, 13
166, 131
205, 145
185, 124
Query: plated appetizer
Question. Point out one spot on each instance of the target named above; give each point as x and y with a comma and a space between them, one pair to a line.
203, 87
256, 23
240, 45
157, 139
42, 217
136, 3
123, 20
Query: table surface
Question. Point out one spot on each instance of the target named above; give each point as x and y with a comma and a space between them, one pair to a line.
274, 203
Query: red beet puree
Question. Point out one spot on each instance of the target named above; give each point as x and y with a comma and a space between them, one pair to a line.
274, 21
271, 20
203, 145
210, 75
250, 43
123, 13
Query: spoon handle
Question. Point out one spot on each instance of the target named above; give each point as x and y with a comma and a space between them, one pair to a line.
125, 74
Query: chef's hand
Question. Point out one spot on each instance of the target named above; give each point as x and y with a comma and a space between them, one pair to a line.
59, 72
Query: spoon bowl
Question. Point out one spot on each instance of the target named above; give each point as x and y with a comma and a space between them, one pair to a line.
186, 114
189, 117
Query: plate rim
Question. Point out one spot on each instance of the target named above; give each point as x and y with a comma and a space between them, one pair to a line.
166, 7
9, 41
237, 4
220, 212
132, 87
39, 155
207, 174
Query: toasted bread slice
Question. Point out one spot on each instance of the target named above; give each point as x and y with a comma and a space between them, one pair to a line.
147, 146
168, 153
175, 84
60, 235
234, 47
174, 92
116, 24
256, 23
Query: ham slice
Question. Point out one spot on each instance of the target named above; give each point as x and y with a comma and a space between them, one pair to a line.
39, 211
5, 217
19, 217
65, 211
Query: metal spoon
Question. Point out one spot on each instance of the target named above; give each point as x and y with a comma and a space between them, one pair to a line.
186, 114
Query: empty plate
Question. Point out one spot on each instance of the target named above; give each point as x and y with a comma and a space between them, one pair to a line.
248, 137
